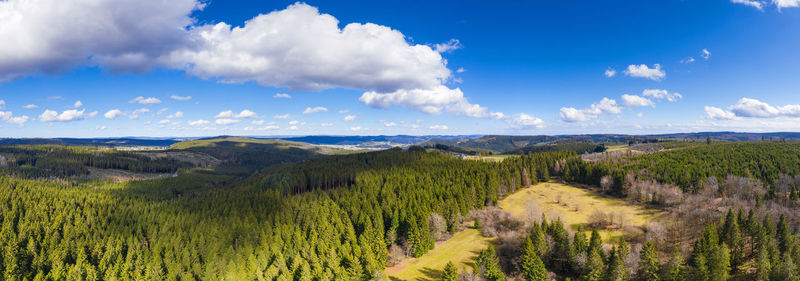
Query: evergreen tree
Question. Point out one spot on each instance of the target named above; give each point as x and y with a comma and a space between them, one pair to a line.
763, 265
450, 272
533, 268
648, 262
675, 269
615, 270
489, 265
594, 267
719, 263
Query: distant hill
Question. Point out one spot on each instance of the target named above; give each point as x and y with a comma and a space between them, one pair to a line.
500, 143
355, 140
91, 141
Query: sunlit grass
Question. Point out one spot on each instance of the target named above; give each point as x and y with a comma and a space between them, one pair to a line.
574, 206
461, 249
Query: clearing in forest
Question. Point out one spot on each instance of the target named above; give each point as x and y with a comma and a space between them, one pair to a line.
576, 207
461, 249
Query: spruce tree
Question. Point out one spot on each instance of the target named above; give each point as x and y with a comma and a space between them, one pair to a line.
533, 268
675, 269
594, 267
450, 272
648, 262
719, 263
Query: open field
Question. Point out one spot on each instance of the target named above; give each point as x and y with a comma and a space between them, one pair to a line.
612, 148
494, 158
574, 206
461, 249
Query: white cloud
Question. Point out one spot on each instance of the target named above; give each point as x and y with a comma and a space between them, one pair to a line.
610, 72
91, 114
718, 113
5, 115
294, 122
643, 71
100, 128
438, 127
662, 94
226, 121
754, 108
448, 47
50, 37
326, 124
310, 110
246, 114
786, 3
350, 118
77, 104
605, 106
143, 100
285, 48
460, 70
282, 96
705, 54
525, 121
751, 3
178, 114
388, 124
224, 114
19, 120
634, 100
161, 111
292, 128
265, 128
258, 122
136, 113
433, 101
162, 122
358, 128
180, 98
285, 116
243, 114
198, 123
687, 60
65, 116
113, 114
2, 104
30, 106
343, 111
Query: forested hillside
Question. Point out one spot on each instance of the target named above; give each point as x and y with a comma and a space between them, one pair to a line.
197, 226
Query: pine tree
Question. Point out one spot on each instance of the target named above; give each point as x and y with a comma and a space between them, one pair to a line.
450, 272
719, 263
579, 243
648, 262
675, 268
615, 270
489, 265
533, 268
596, 243
538, 239
594, 267
763, 266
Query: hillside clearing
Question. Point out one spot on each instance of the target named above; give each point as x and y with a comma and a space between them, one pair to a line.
574, 206
461, 249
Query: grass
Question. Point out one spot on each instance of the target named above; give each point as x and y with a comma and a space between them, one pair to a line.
575, 207
461, 249
491, 158
613, 148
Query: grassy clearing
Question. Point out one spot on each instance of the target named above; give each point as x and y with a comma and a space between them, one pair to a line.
613, 148
574, 206
491, 158
461, 249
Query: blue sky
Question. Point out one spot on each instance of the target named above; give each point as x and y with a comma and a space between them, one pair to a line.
380, 67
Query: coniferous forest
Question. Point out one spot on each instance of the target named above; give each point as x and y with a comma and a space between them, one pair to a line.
299, 215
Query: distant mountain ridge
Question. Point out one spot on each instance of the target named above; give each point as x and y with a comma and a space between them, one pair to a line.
498, 143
